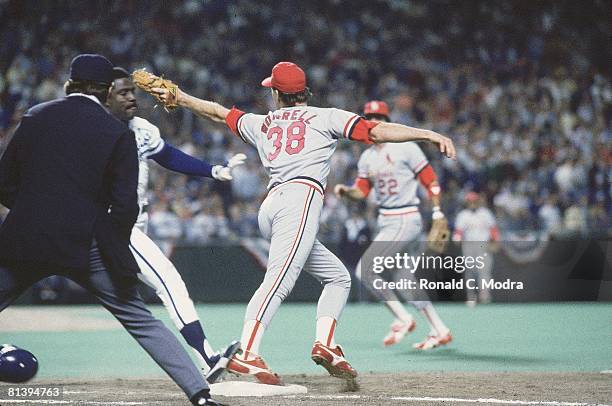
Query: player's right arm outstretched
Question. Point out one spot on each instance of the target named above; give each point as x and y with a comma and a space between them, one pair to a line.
375, 132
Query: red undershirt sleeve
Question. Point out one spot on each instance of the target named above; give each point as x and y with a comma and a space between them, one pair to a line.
494, 234
427, 176
364, 185
232, 120
361, 131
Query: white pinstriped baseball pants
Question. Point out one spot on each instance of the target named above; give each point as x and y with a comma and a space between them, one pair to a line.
289, 217
157, 271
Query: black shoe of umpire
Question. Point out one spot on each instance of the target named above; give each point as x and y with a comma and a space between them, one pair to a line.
202, 398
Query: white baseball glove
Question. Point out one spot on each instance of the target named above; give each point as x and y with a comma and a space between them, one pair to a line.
224, 172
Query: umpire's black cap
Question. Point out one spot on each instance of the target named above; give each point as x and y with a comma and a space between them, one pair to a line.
92, 68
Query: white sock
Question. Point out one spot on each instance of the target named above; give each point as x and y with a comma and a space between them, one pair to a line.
326, 330
207, 348
399, 311
209, 352
203, 365
435, 323
252, 333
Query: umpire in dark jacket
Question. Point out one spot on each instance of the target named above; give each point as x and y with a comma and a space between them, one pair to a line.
68, 163
69, 177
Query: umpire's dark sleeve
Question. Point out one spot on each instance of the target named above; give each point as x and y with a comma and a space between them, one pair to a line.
9, 166
124, 183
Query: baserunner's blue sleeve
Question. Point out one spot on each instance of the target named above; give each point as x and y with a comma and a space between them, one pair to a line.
178, 161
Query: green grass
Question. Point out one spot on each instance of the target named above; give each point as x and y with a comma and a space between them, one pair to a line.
502, 337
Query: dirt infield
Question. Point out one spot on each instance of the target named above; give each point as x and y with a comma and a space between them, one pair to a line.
559, 389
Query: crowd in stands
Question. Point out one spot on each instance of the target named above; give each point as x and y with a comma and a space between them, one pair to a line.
523, 88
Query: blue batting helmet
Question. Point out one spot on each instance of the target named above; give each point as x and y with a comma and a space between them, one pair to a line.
16, 364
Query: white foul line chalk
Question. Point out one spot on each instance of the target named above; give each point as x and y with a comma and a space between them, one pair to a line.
67, 402
449, 399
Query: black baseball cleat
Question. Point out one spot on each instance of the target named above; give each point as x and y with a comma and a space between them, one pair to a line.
202, 398
220, 361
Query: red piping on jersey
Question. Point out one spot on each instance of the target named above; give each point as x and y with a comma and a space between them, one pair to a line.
421, 165
346, 126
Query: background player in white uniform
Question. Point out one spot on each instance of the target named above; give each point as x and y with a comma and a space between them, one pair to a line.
156, 270
477, 230
295, 144
395, 171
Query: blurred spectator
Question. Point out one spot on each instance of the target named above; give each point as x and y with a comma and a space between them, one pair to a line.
570, 176
575, 218
164, 227
531, 115
550, 215
208, 224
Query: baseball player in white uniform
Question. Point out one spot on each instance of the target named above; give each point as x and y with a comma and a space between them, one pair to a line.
156, 270
394, 172
295, 144
477, 230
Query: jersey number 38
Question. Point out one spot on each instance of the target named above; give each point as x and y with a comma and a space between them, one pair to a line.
294, 140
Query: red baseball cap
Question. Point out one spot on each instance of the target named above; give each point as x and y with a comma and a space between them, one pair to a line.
286, 77
376, 107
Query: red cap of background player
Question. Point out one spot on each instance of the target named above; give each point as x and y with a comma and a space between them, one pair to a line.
376, 107
471, 197
286, 77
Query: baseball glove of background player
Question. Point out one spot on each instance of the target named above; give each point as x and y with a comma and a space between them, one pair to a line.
438, 236
147, 81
